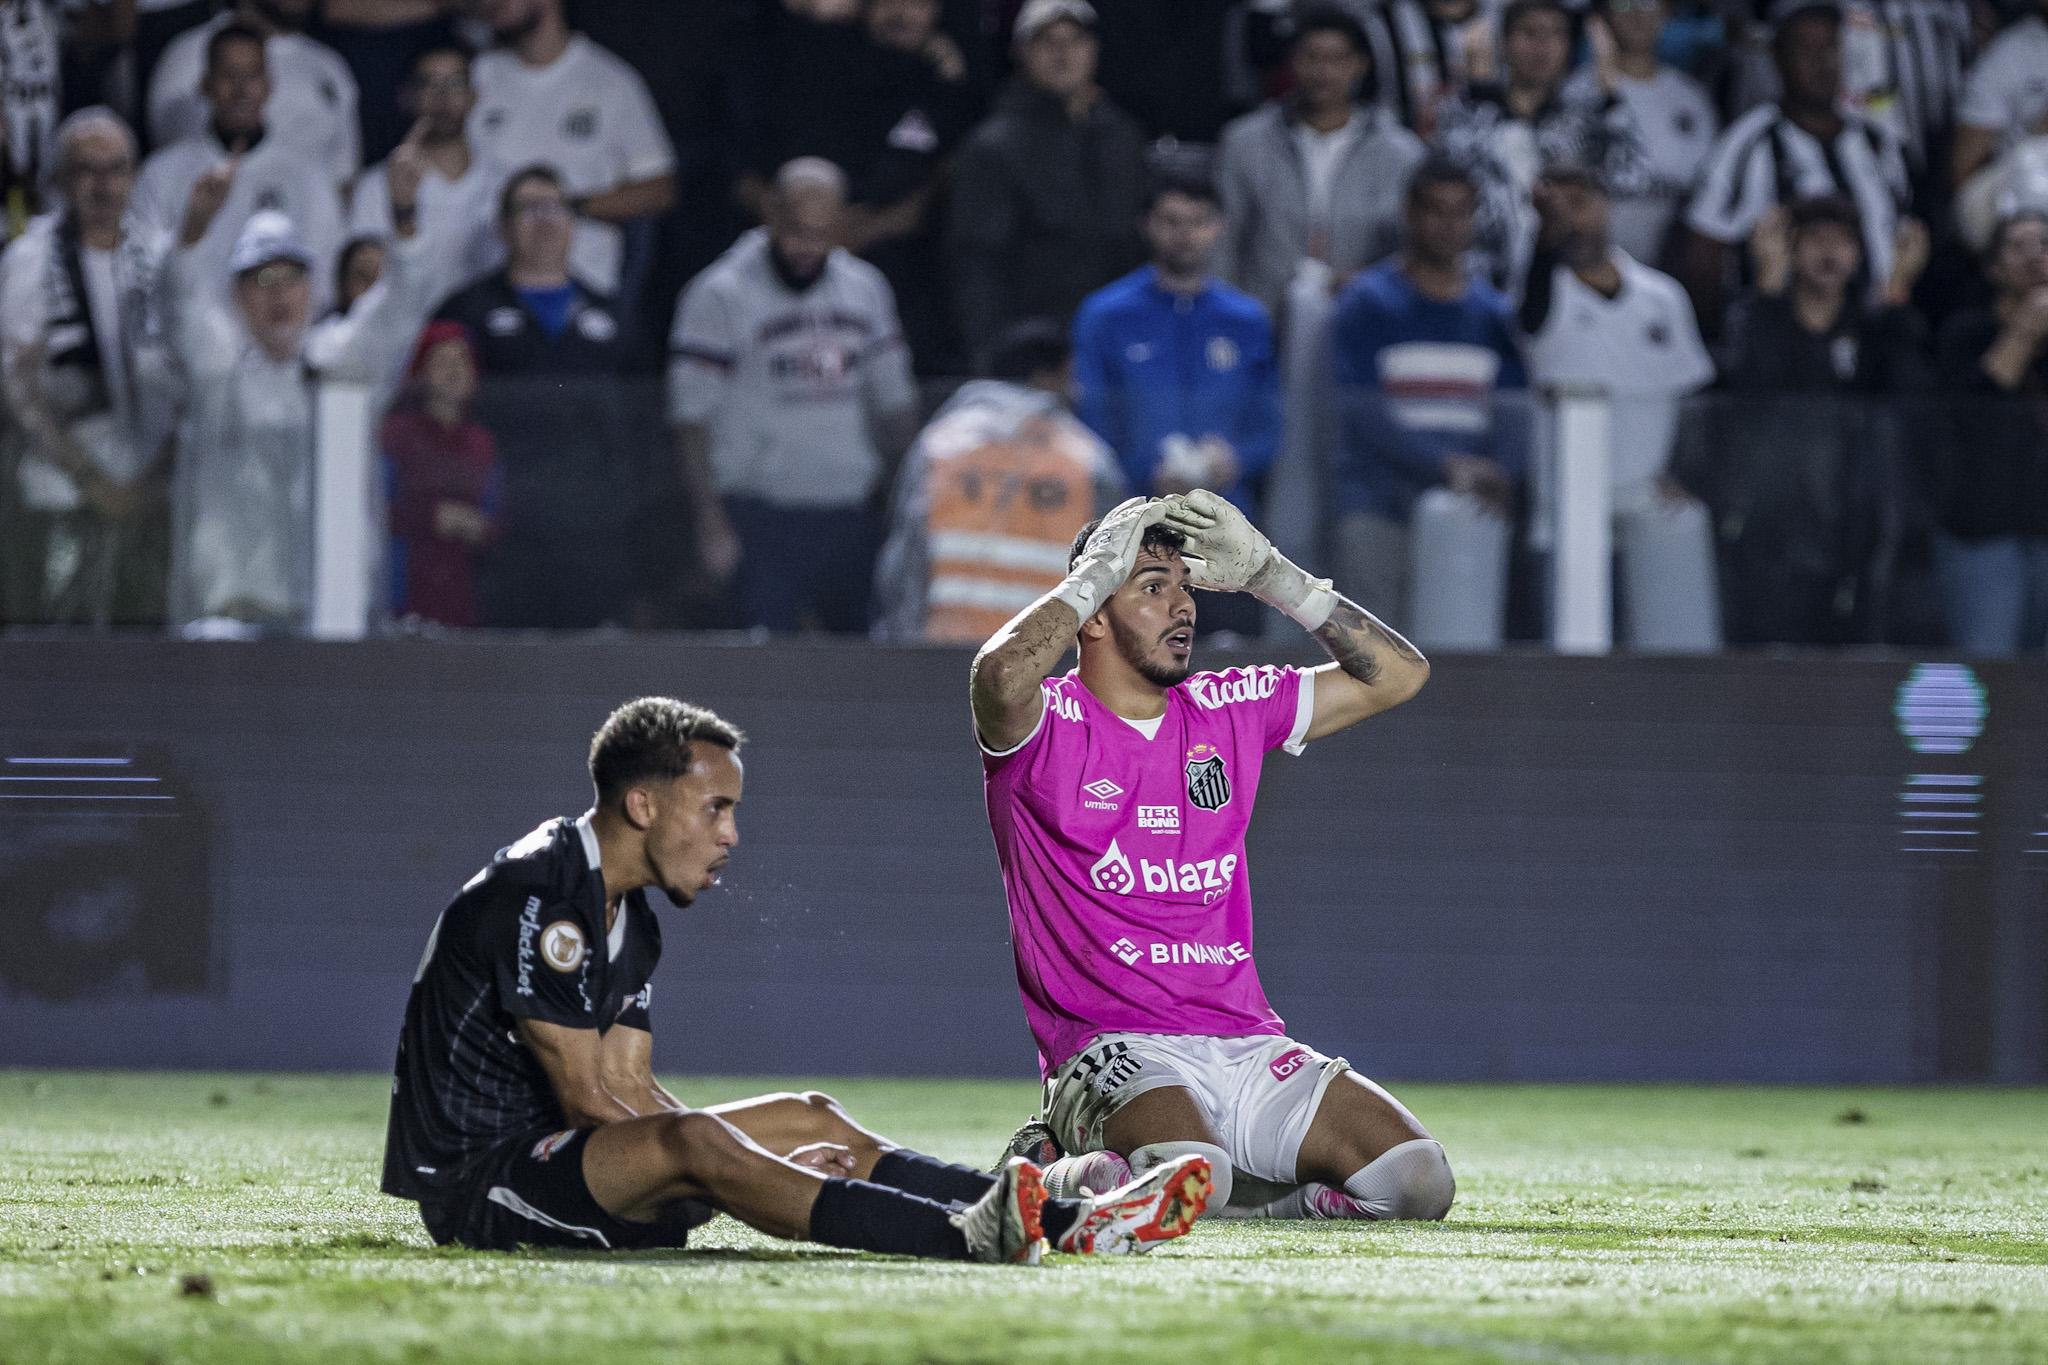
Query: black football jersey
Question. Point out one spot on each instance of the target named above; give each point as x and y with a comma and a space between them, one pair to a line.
524, 939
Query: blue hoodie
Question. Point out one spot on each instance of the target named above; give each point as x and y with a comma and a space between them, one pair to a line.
1149, 364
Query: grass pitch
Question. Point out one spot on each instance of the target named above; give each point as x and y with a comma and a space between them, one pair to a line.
227, 1219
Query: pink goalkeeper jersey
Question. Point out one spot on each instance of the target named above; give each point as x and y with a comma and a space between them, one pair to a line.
1123, 857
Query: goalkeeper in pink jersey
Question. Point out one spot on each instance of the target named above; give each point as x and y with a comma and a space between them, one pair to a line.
1119, 795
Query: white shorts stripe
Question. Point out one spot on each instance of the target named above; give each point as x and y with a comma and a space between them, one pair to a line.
504, 1198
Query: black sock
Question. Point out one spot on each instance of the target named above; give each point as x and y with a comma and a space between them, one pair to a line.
916, 1173
866, 1217
1058, 1215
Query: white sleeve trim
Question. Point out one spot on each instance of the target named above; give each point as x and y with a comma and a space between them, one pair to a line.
1036, 727
1304, 712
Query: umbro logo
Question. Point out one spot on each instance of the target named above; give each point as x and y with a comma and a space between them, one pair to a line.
1127, 950
1102, 794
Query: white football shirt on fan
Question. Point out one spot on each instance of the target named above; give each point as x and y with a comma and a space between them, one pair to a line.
458, 221
272, 175
589, 116
2008, 87
1765, 159
1642, 347
1669, 124
312, 96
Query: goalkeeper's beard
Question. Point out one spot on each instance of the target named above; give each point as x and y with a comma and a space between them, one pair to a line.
1140, 655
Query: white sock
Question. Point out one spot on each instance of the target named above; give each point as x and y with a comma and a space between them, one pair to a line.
1094, 1172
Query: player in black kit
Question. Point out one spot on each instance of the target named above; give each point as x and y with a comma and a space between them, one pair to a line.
525, 1109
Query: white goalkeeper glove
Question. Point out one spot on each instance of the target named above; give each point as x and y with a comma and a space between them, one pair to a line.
1108, 555
1226, 553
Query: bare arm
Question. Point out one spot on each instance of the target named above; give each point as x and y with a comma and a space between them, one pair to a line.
634, 199
573, 1059
628, 1071
1375, 669
1003, 682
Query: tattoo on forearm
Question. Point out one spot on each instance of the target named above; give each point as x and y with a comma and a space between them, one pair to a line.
1361, 643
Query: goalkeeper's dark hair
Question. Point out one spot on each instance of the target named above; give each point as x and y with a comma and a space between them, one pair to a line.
1156, 538
653, 739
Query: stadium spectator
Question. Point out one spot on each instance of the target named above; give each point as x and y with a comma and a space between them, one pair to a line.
269, 172
442, 472
1503, 133
551, 96
357, 267
85, 377
31, 101
242, 489
791, 399
1990, 486
1317, 175
381, 42
1177, 371
1047, 192
1426, 53
460, 193
310, 99
886, 99
1803, 473
1435, 439
1598, 319
991, 497
1804, 147
552, 352
1664, 125
2005, 95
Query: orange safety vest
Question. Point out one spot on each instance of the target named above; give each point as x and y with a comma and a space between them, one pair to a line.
1001, 517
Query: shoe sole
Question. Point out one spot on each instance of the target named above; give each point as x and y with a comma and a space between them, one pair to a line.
1029, 1201
1173, 1212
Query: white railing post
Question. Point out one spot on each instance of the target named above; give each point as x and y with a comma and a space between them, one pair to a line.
1582, 539
348, 513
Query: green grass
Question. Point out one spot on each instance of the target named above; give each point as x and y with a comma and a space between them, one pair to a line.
225, 1219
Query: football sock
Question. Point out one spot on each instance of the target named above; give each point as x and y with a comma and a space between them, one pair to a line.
1409, 1180
861, 1216
916, 1173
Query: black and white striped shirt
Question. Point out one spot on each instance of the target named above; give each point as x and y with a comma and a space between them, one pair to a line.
1763, 159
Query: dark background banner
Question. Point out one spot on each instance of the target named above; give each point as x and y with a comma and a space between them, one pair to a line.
1714, 869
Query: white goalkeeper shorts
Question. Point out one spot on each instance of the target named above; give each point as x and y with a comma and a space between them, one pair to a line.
1260, 1093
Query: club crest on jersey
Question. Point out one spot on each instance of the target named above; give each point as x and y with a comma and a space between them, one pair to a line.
1208, 782
552, 1143
562, 946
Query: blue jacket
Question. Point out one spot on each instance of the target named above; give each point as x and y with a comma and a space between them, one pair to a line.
1417, 380
1149, 364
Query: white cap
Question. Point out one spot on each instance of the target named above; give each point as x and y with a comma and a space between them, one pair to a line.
268, 236
1038, 14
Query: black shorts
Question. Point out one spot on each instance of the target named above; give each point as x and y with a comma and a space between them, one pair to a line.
529, 1191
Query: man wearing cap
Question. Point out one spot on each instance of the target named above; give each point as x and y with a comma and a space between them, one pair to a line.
242, 486
1805, 146
1597, 318
270, 173
1048, 191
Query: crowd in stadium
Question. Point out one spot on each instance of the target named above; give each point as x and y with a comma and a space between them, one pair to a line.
666, 309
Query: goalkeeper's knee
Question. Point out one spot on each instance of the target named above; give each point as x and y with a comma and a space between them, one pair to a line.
1410, 1180
1153, 1154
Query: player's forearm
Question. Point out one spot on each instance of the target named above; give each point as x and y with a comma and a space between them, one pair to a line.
594, 1105
1006, 673
1372, 652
